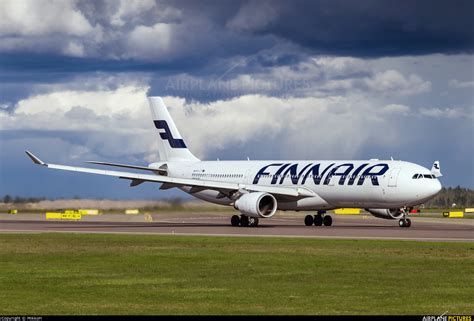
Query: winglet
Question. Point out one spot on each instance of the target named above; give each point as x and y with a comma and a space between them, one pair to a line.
35, 159
436, 169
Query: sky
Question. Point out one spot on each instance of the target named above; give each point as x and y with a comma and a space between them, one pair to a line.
276, 79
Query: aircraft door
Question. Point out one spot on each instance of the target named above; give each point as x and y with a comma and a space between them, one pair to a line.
392, 180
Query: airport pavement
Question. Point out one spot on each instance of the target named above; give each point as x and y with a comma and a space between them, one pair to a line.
287, 225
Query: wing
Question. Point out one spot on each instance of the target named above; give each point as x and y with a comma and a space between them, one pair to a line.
227, 188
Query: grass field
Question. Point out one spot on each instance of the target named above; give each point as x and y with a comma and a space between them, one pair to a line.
128, 274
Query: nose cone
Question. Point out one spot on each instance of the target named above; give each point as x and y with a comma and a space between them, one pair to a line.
427, 189
436, 186
431, 188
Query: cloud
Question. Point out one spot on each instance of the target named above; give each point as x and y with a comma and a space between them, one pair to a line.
393, 81
42, 17
115, 121
149, 42
314, 77
74, 49
177, 30
250, 17
396, 109
454, 83
451, 113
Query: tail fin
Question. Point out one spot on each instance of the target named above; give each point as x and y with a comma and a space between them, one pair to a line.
436, 169
171, 145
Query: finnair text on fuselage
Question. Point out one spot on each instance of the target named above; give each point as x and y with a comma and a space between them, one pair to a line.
284, 173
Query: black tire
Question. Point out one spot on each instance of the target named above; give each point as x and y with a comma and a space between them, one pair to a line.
408, 223
255, 222
327, 220
308, 220
318, 220
244, 220
235, 220
401, 223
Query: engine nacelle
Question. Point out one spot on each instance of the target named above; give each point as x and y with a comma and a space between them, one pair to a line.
257, 204
386, 213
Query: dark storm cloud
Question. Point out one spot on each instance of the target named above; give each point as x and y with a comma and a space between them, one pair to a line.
369, 27
201, 32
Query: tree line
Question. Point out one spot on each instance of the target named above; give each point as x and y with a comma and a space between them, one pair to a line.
452, 197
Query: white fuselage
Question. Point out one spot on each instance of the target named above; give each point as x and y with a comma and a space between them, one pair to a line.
362, 184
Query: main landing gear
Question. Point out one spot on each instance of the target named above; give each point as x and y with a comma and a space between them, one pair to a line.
318, 219
244, 220
404, 221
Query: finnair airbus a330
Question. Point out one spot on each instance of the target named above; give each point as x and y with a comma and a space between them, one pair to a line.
387, 189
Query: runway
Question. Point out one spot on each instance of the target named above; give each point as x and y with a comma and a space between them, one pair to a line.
344, 227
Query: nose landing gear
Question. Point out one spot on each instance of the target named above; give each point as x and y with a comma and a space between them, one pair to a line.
404, 221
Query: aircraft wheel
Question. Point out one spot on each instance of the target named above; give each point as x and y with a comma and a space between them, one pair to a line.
253, 221
235, 220
401, 223
244, 220
308, 220
408, 223
318, 220
327, 220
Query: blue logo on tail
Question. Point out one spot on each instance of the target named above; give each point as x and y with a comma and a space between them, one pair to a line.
174, 143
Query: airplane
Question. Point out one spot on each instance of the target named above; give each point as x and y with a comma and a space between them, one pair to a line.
257, 189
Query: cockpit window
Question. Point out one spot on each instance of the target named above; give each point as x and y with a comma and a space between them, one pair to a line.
418, 176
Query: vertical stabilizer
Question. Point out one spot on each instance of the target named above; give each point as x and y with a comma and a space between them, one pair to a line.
436, 169
171, 145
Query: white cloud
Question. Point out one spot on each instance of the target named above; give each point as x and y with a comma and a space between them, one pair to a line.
74, 49
454, 83
107, 121
392, 81
341, 66
42, 17
315, 77
149, 42
140, 29
396, 109
451, 113
127, 9
115, 121
250, 17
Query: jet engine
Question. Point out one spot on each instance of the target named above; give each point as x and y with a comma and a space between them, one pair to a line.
386, 213
257, 204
